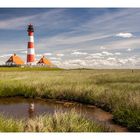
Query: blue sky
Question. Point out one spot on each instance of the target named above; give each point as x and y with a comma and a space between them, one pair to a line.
73, 38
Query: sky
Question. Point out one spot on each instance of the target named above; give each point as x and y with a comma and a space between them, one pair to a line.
74, 38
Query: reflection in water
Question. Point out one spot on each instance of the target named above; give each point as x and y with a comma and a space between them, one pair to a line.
31, 110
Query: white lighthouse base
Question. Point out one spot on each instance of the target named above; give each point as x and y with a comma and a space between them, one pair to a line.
31, 63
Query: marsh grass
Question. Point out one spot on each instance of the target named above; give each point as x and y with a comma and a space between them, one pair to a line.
63, 122
28, 68
58, 122
117, 91
10, 125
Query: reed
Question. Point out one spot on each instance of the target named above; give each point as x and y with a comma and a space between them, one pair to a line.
58, 122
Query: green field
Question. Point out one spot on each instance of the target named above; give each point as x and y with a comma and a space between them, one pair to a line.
117, 91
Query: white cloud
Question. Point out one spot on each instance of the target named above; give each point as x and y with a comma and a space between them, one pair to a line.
55, 58
79, 53
24, 52
111, 58
17, 23
98, 60
124, 35
102, 55
129, 49
97, 54
102, 48
38, 55
75, 63
48, 54
94, 55
107, 53
72, 39
60, 54
117, 53
123, 44
109, 62
5, 55
4, 58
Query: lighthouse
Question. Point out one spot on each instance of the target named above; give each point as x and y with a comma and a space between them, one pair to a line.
30, 48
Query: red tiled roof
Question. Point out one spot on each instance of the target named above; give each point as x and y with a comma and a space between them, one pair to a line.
44, 60
15, 59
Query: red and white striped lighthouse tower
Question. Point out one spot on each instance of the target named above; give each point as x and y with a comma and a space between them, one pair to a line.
30, 49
